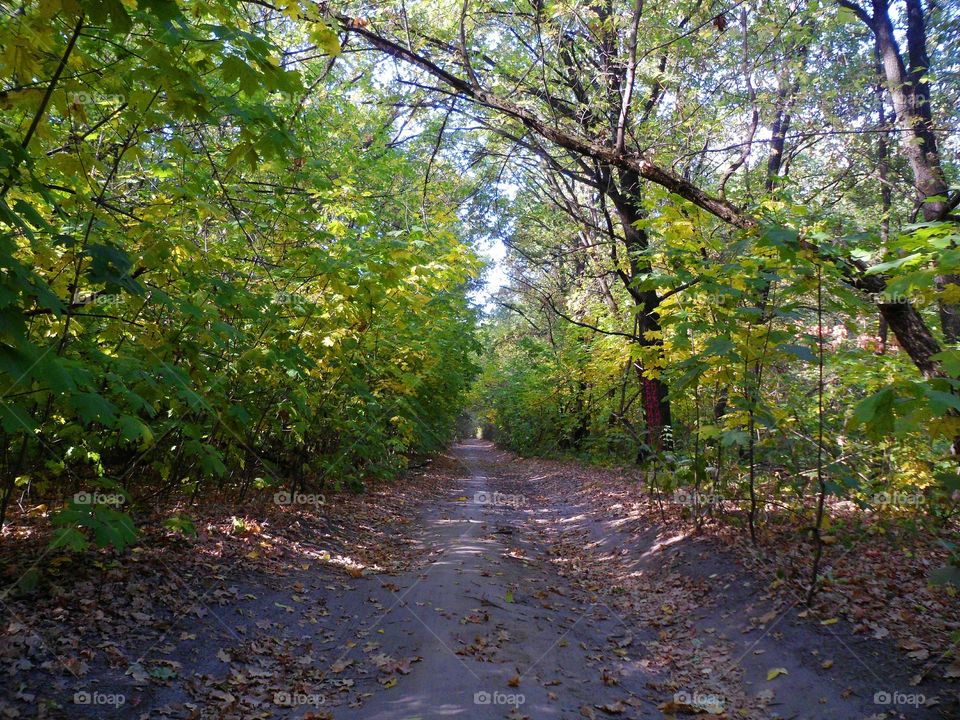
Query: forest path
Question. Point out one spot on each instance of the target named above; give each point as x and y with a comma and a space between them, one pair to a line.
538, 607
500, 630
488, 586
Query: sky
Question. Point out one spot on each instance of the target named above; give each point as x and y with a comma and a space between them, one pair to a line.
490, 248
494, 252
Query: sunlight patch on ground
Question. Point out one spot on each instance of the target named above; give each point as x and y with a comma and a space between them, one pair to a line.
658, 546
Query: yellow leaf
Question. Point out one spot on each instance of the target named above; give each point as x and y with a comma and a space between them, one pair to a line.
776, 672
326, 38
950, 294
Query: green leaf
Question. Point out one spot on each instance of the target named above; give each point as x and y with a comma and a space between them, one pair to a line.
883, 267
69, 538
181, 524
719, 346
799, 351
779, 236
15, 419
135, 430
234, 69
112, 12
950, 360
876, 412
941, 402
92, 407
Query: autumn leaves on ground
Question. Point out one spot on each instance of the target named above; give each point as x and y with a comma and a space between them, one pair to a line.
482, 586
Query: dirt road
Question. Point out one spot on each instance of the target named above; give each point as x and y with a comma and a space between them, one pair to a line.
520, 597
533, 607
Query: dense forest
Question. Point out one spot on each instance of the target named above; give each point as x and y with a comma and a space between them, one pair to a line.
222, 270
285, 252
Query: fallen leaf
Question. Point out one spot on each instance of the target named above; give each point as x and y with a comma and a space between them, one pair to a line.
340, 665
616, 708
765, 696
764, 619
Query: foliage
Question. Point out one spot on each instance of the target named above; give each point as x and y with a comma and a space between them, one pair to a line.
219, 269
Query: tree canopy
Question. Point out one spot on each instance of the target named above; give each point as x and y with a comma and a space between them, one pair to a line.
240, 240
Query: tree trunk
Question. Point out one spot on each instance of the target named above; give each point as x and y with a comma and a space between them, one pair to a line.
910, 90
656, 394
